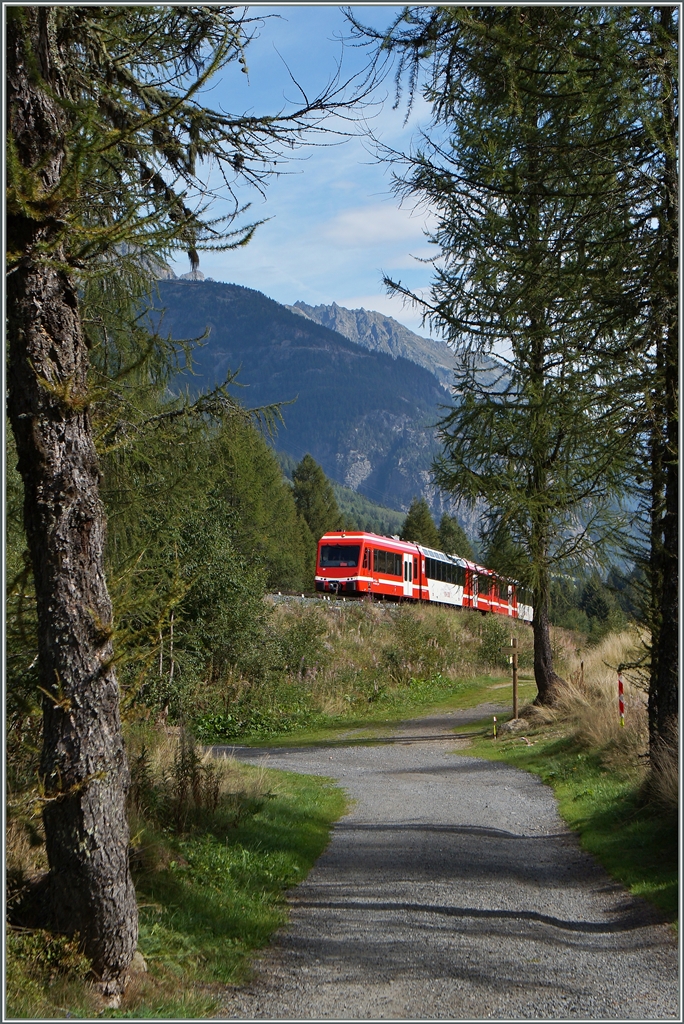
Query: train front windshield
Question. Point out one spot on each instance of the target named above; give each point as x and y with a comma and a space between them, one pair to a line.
334, 556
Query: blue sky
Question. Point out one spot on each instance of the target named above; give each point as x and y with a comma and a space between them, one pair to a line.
334, 226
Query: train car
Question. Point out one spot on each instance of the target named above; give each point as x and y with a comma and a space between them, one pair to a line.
353, 563
357, 564
445, 577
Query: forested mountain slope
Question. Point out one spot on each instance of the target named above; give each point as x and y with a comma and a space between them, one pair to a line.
366, 417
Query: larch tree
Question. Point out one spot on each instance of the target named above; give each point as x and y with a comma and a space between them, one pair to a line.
419, 526
453, 539
649, 66
315, 498
517, 167
108, 148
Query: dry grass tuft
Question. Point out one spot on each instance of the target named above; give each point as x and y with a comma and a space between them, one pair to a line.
590, 701
24, 849
25, 859
663, 781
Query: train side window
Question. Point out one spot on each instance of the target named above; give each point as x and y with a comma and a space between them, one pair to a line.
415, 568
366, 553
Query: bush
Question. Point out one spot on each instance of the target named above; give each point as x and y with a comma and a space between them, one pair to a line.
495, 645
334, 658
302, 643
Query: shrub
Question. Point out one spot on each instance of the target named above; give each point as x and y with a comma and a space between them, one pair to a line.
302, 642
495, 643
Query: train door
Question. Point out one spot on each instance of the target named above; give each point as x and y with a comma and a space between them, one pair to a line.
408, 575
475, 589
510, 599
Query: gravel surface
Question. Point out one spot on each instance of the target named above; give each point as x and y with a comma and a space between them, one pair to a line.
452, 890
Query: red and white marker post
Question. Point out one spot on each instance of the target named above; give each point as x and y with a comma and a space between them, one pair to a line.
621, 701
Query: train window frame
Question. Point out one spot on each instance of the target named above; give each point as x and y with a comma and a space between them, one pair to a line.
387, 562
337, 563
442, 570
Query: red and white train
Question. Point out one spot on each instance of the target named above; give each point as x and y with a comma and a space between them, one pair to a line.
357, 564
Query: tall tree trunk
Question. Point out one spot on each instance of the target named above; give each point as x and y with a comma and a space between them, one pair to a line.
83, 764
655, 562
548, 682
664, 683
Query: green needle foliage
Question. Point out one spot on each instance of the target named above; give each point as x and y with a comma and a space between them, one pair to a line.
529, 162
453, 539
419, 526
315, 498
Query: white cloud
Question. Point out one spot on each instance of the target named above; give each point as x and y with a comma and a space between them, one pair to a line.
374, 225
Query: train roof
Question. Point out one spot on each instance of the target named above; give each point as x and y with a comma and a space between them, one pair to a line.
361, 535
428, 552
440, 556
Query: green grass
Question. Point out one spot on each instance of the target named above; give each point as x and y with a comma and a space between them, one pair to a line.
208, 898
393, 706
635, 841
43, 976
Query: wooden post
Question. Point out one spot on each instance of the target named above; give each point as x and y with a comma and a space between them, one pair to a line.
514, 645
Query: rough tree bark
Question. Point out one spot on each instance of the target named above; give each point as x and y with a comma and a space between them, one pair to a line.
83, 765
663, 704
548, 682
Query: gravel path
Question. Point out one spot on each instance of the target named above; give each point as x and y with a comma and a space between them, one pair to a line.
452, 890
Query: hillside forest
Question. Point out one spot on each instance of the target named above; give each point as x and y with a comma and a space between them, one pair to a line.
153, 532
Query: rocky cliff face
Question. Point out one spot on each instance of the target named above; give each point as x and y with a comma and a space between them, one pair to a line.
380, 333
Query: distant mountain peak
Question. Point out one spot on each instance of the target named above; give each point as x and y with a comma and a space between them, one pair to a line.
381, 333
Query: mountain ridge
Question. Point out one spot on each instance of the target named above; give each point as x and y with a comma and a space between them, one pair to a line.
367, 417
381, 333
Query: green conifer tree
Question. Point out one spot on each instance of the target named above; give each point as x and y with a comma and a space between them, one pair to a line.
592, 94
452, 538
315, 498
502, 554
419, 526
269, 529
518, 154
